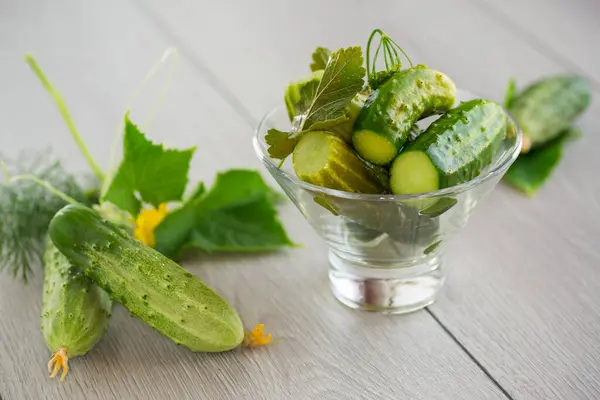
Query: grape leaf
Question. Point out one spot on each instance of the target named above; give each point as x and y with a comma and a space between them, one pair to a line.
236, 215
320, 57
158, 175
323, 103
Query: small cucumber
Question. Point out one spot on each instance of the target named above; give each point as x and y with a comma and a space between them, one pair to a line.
548, 107
326, 160
383, 125
151, 286
453, 149
75, 312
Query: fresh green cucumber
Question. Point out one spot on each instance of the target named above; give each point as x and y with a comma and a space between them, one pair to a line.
453, 149
293, 91
151, 286
383, 125
326, 160
548, 107
75, 312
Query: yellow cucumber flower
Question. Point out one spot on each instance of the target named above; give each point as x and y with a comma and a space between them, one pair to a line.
256, 337
146, 223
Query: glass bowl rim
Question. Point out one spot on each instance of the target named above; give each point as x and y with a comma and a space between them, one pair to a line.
500, 167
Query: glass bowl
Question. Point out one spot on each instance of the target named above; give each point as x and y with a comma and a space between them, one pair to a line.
386, 252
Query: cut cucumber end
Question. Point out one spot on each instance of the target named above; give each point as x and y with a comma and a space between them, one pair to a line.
311, 155
323, 159
374, 147
413, 172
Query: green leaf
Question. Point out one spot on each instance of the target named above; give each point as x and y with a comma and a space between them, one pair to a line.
531, 170
510, 95
158, 175
342, 80
439, 207
322, 102
246, 228
236, 214
296, 94
320, 57
281, 144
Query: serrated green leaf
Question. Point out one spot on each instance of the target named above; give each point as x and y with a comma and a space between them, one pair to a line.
236, 214
323, 102
158, 175
249, 227
281, 144
295, 95
320, 57
531, 170
342, 80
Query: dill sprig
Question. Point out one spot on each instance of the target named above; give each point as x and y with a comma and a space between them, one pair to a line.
26, 209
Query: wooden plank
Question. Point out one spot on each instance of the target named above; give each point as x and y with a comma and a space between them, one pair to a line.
96, 54
522, 297
563, 31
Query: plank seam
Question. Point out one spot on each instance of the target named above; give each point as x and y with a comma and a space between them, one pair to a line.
232, 100
469, 354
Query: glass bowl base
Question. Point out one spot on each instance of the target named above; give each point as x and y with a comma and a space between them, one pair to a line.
385, 290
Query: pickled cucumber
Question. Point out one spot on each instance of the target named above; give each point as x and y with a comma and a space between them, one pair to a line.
383, 125
326, 160
454, 149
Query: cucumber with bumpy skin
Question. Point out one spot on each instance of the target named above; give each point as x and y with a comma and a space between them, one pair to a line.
75, 311
383, 125
548, 107
326, 160
151, 286
453, 149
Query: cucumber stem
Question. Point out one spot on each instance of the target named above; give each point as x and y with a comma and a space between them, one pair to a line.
46, 185
60, 103
59, 360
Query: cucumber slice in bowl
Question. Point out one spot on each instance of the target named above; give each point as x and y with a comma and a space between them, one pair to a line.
454, 149
326, 160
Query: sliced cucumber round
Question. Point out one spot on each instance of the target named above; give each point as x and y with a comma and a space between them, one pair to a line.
413, 172
326, 160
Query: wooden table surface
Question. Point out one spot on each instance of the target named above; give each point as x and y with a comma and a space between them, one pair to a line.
519, 317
